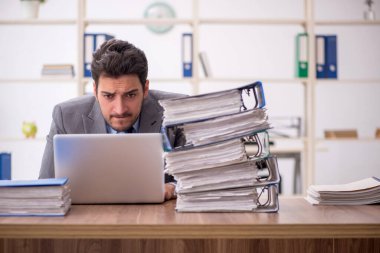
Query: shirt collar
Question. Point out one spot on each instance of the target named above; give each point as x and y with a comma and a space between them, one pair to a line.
135, 128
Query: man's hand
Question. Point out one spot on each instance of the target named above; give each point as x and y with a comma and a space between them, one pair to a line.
170, 191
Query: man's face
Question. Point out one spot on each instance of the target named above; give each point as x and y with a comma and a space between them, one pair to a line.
120, 99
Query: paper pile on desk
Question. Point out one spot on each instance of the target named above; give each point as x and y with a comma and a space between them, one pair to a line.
42, 197
362, 192
213, 170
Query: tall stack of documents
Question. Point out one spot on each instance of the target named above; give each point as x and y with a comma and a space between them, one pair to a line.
42, 197
213, 169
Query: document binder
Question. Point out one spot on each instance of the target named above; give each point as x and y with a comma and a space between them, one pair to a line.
257, 172
217, 154
320, 56
205, 106
187, 54
5, 166
223, 162
326, 57
92, 41
331, 56
205, 64
41, 197
302, 54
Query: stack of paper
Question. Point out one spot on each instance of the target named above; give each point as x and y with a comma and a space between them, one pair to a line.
58, 70
362, 192
42, 197
213, 170
201, 107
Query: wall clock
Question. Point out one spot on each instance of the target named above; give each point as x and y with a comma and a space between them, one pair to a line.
156, 11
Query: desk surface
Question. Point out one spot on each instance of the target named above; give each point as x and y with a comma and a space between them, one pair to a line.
296, 219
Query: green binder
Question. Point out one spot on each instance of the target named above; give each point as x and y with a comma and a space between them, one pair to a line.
302, 55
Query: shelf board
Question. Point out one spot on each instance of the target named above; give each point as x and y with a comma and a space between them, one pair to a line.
250, 21
38, 22
348, 81
190, 21
283, 150
300, 139
361, 139
174, 21
37, 80
347, 22
250, 80
22, 139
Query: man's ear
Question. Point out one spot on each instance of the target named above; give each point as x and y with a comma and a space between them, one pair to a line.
146, 88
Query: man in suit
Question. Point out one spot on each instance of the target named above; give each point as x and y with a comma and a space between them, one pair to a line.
122, 103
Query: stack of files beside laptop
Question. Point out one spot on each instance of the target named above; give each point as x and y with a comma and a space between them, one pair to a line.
41, 197
362, 192
213, 170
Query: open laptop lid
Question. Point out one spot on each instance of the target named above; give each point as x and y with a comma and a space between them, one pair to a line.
111, 168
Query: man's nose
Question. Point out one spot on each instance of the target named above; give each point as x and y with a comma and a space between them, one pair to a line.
119, 106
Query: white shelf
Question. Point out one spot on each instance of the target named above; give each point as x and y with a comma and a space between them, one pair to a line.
361, 139
347, 22
22, 139
174, 21
250, 21
37, 80
254, 79
38, 22
348, 81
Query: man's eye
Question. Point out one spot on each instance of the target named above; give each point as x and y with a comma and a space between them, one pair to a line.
108, 96
131, 95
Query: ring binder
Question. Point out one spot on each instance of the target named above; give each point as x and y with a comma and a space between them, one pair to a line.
224, 164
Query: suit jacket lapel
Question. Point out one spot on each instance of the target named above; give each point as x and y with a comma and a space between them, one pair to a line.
151, 116
94, 122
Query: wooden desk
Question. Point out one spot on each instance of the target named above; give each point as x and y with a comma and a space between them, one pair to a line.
298, 227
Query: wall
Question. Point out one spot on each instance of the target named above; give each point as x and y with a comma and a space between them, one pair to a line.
248, 52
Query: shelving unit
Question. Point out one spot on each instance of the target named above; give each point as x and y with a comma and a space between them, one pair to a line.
309, 142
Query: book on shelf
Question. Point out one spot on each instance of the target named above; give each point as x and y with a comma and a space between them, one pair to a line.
361, 192
213, 170
326, 56
58, 71
41, 197
203, 59
91, 42
187, 54
5, 166
341, 134
302, 61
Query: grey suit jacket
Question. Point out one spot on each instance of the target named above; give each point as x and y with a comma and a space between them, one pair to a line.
83, 116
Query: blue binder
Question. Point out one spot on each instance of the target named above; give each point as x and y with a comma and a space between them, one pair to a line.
331, 56
5, 166
92, 41
326, 56
187, 54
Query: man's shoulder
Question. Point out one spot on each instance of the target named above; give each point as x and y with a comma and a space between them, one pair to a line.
83, 102
161, 95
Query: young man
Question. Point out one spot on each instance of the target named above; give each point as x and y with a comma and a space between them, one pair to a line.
122, 103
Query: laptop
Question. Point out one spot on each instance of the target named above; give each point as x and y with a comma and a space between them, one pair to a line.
111, 168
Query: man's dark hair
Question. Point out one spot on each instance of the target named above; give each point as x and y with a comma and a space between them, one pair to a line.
116, 58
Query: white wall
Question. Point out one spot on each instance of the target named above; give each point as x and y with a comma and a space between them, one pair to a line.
234, 51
